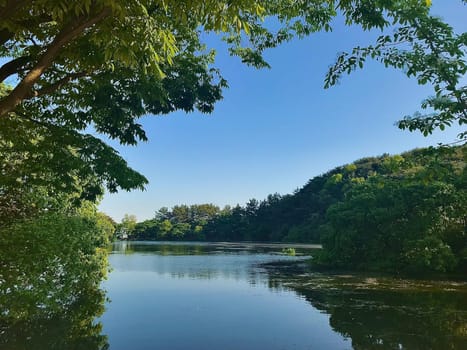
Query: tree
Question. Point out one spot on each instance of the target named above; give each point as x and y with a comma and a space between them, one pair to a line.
252, 207
428, 49
106, 63
162, 214
127, 225
411, 219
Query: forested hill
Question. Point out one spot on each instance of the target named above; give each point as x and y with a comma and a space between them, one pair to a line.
391, 202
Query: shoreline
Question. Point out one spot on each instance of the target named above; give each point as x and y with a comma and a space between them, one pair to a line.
234, 244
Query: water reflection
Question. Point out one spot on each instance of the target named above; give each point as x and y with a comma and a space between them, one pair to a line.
50, 295
196, 261
387, 313
181, 296
220, 298
372, 312
72, 328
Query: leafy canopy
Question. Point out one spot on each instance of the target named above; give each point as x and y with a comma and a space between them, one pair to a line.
428, 49
71, 65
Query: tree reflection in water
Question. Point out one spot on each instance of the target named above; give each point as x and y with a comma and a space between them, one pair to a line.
385, 313
50, 280
50, 296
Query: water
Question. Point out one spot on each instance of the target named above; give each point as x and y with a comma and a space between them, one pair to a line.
208, 296
203, 297
181, 296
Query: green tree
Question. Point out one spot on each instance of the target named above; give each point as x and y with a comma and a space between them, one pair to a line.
165, 227
399, 222
106, 63
127, 225
426, 48
162, 214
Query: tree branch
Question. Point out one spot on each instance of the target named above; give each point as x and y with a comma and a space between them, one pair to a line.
57, 85
66, 35
14, 66
5, 35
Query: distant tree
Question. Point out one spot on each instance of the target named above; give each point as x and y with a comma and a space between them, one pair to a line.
180, 214
162, 214
202, 213
252, 207
127, 225
164, 228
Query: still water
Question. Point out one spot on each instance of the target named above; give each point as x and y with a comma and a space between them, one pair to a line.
207, 297
211, 296
182, 296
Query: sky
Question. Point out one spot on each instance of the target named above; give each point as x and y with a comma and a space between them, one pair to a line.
277, 128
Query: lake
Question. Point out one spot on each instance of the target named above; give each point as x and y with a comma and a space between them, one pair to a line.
219, 296
198, 296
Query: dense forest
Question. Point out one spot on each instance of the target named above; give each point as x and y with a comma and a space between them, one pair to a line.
392, 212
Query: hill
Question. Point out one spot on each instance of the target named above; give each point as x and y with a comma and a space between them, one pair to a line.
390, 212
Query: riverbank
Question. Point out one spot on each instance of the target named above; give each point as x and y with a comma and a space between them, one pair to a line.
266, 245
234, 244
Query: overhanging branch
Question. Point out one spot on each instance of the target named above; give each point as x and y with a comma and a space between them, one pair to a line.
66, 35
13, 67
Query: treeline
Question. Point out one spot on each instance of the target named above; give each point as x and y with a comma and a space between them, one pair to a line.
182, 222
393, 212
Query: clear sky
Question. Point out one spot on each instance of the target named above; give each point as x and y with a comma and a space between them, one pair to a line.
277, 128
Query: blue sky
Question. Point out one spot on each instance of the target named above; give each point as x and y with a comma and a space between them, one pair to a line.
277, 128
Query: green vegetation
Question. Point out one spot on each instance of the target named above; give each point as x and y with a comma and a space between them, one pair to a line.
289, 251
52, 265
53, 255
404, 213
409, 218
68, 66
183, 222
72, 65
104, 64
